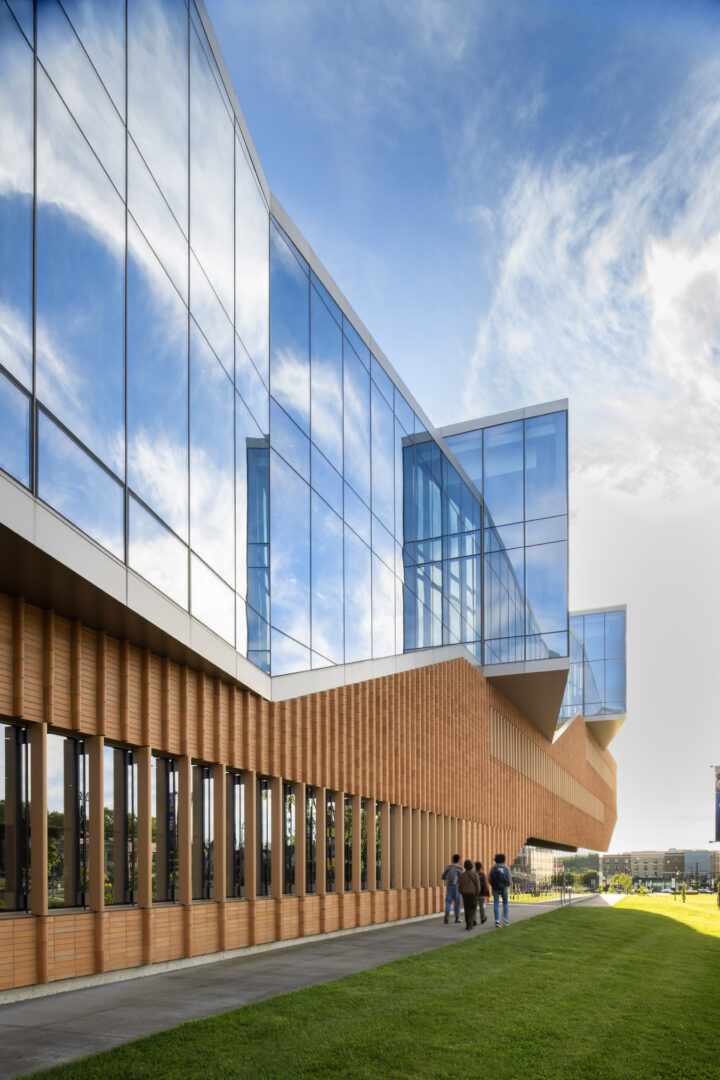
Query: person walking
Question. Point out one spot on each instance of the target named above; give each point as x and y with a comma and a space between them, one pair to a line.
484, 891
500, 879
450, 876
469, 886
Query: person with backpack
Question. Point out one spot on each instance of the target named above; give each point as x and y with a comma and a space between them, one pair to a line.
500, 879
450, 876
469, 886
484, 891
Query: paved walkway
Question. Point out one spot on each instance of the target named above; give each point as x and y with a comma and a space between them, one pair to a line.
46, 1031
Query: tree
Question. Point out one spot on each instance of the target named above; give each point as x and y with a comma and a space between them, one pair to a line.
621, 881
684, 891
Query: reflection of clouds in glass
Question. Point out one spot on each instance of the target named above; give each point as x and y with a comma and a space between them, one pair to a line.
55, 772
156, 220
16, 128
327, 407
101, 28
289, 551
71, 482
67, 65
290, 377
327, 582
210, 317
358, 618
252, 300
211, 176
15, 342
211, 601
357, 425
383, 610
159, 471
158, 73
288, 655
158, 555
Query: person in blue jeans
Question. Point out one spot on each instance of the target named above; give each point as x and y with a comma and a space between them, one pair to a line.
500, 880
450, 876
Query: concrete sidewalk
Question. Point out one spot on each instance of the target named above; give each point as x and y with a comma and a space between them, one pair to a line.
49, 1030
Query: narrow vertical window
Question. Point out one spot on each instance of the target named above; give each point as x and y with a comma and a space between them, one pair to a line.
378, 847
164, 796
392, 847
235, 834
67, 817
330, 842
264, 834
202, 832
363, 845
120, 823
310, 840
14, 818
288, 839
348, 836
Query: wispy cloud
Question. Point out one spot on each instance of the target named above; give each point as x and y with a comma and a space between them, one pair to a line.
608, 291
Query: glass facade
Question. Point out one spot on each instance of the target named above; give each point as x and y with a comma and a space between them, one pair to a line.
596, 685
177, 381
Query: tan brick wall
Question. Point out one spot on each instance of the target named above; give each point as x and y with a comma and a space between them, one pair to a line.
438, 739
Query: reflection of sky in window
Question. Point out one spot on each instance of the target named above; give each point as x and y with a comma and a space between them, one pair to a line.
327, 581
546, 587
289, 330
211, 601
383, 459
155, 218
252, 299
75, 485
357, 423
546, 465
383, 609
15, 428
289, 551
157, 386
101, 28
157, 555
16, 185
80, 284
358, 616
597, 682
326, 381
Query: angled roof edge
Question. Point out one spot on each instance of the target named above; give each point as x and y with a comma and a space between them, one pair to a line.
523, 413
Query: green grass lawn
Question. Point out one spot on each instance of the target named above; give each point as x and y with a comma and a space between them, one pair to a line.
579, 993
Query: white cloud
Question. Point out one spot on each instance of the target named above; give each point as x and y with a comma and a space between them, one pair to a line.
608, 291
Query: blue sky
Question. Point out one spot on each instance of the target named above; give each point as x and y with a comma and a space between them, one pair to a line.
521, 202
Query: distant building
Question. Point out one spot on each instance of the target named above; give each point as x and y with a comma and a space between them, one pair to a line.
663, 865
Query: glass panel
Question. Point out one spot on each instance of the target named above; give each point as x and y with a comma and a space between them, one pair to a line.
383, 381
542, 646
288, 655
363, 845
164, 800
202, 832
382, 543
310, 840
147, 205
158, 73
326, 481
23, 10
357, 515
348, 841
14, 818
383, 609
467, 448
16, 199
404, 413
80, 285
358, 638
546, 587
158, 555
326, 381
594, 636
546, 465
357, 424
67, 822
507, 536
247, 435
614, 635
78, 84
212, 168
212, 437
503, 592
594, 681
357, 342
330, 303
250, 386
383, 460
289, 551
545, 530
264, 836
289, 441
15, 428
157, 389
76, 486
212, 601
252, 272
503, 472
288, 839
330, 851
235, 834
327, 581
101, 28
209, 315
615, 680
120, 808
289, 331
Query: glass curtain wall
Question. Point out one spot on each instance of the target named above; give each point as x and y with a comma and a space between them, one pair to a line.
597, 682
120, 785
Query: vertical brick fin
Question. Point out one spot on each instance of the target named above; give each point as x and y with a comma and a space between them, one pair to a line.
165, 703
76, 675
199, 717
217, 754
101, 662
125, 690
49, 667
184, 710
233, 722
145, 698
18, 661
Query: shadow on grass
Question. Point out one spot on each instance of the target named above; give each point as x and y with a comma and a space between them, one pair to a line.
583, 993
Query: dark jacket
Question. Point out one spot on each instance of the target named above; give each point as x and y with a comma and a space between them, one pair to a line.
469, 882
484, 885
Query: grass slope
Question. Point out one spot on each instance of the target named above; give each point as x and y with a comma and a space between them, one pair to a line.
582, 993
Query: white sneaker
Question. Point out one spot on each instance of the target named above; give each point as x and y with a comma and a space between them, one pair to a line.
506, 922
498, 925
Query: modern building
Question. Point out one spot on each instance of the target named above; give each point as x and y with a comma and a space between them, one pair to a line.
271, 646
699, 866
